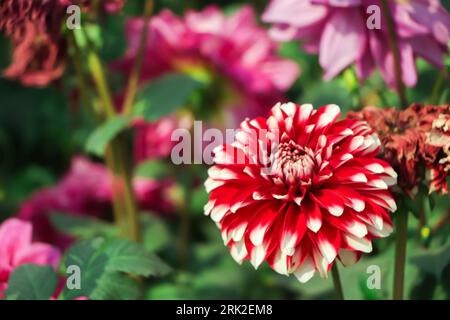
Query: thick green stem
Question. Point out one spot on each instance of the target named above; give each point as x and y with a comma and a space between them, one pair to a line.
337, 282
400, 254
437, 86
124, 204
185, 219
133, 79
393, 44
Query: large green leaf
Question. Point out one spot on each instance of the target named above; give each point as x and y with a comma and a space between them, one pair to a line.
434, 261
154, 169
155, 235
88, 256
102, 135
130, 257
116, 286
164, 95
82, 227
32, 282
103, 264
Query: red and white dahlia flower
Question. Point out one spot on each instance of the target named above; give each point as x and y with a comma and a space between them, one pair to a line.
299, 189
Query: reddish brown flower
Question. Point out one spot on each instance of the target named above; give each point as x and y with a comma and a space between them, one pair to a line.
34, 27
437, 145
410, 144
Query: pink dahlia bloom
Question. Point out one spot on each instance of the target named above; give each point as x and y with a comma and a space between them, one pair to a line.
17, 248
232, 51
153, 140
86, 190
338, 32
299, 189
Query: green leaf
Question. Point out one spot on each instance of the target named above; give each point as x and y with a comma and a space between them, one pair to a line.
130, 257
32, 282
154, 169
116, 286
82, 227
164, 95
88, 256
103, 265
155, 235
102, 135
434, 261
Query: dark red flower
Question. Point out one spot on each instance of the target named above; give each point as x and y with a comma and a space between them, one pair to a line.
407, 142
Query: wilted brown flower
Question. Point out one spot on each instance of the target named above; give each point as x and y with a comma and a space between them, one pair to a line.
413, 140
437, 145
34, 27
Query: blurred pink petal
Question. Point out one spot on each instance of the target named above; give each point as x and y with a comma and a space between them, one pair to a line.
422, 27
17, 248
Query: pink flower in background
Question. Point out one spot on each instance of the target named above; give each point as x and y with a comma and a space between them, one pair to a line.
86, 190
153, 140
17, 248
338, 32
232, 50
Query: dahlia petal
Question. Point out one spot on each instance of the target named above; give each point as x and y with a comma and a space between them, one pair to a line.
257, 256
218, 212
208, 207
294, 228
326, 115
261, 221
321, 264
280, 263
385, 231
348, 257
331, 201
211, 184
359, 244
342, 41
313, 216
305, 271
350, 175
238, 251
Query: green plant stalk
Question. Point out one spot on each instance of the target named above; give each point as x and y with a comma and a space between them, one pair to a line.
437, 86
124, 204
337, 282
393, 44
133, 80
400, 254
185, 228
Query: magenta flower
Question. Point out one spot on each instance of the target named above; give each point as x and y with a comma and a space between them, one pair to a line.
153, 140
17, 248
86, 190
338, 31
234, 52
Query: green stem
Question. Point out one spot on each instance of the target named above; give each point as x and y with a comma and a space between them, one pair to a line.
393, 44
400, 254
185, 226
133, 80
124, 204
437, 86
337, 282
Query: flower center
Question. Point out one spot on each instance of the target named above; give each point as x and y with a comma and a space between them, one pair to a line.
293, 162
